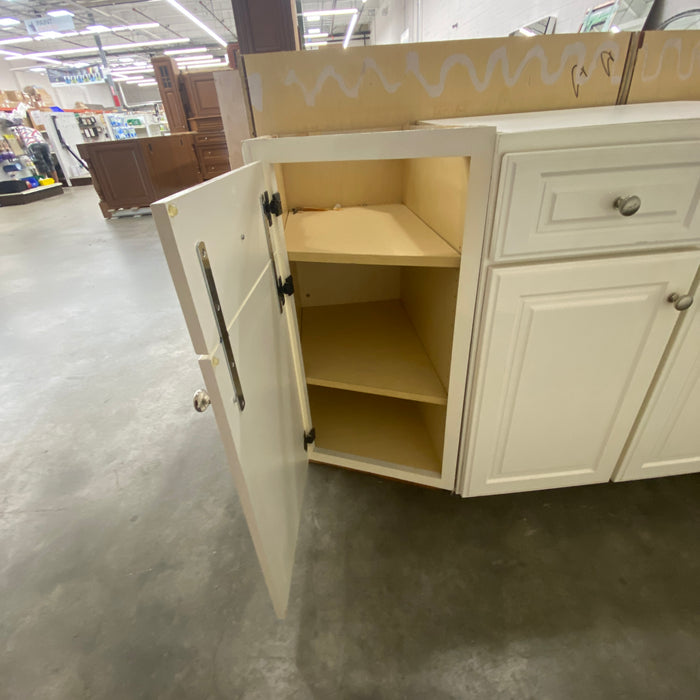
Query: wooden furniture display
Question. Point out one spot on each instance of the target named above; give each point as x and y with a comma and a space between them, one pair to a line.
266, 25
204, 117
483, 308
191, 104
167, 75
133, 173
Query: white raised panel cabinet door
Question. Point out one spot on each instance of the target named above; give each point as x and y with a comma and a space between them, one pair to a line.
666, 438
261, 421
567, 355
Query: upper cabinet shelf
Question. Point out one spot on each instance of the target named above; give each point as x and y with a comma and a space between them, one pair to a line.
385, 234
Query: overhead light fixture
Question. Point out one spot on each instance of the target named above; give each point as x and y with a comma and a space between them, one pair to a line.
93, 50
126, 71
316, 43
39, 69
134, 79
211, 64
17, 40
60, 13
614, 29
316, 35
317, 14
172, 52
313, 18
8, 22
314, 30
50, 35
195, 59
147, 83
196, 21
351, 29
527, 32
96, 29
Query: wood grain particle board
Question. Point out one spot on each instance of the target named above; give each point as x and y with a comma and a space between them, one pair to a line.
373, 427
371, 348
389, 234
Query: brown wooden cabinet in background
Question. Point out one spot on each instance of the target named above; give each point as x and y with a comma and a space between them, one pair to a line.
136, 172
266, 25
167, 75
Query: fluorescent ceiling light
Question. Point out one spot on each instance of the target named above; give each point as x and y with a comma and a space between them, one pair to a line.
314, 30
351, 29
316, 43
96, 28
317, 35
211, 64
614, 29
197, 59
527, 32
148, 83
8, 22
17, 40
196, 21
93, 50
313, 14
172, 52
40, 69
313, 18
60, 13
134, 79
50, 35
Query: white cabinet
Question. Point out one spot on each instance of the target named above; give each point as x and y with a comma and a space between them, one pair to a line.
666, 438
359, 357
337, 288
567, 354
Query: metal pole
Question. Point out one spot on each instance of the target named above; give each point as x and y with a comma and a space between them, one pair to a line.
106, 71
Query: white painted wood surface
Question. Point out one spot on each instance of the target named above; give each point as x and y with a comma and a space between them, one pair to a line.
567, 354
561, 202
478, 145
666, 438
264, 441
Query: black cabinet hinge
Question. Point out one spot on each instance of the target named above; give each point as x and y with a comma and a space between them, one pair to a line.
309, 438
272, 206
286, 287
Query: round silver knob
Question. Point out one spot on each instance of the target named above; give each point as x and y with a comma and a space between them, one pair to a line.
628, 204
201, 401
680, 302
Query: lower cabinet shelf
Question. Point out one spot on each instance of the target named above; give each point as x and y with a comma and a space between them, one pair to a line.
370, 347
395, 431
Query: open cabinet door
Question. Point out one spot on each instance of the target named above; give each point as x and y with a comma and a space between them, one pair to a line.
217, 243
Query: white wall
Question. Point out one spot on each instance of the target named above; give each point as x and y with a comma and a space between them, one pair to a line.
470, 19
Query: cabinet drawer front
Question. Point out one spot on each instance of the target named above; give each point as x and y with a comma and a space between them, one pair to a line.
213, 139
561, 202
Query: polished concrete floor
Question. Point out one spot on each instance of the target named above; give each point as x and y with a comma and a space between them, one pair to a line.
126, 570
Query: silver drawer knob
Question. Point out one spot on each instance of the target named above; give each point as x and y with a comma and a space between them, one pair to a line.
201, 401
628, 204
680, 302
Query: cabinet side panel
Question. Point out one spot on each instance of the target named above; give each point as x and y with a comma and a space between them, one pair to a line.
350, 183
429, 296
435, 189
434, 418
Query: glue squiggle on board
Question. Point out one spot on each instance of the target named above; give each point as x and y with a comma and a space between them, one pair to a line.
497, 59
677, 46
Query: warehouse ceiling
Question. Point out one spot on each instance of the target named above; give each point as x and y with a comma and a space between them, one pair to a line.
197, 30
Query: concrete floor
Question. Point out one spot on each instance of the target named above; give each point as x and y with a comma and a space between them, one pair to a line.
126, 570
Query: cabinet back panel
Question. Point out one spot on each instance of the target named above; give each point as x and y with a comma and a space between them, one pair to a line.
435, 189
429, 295
320, 284
351, 183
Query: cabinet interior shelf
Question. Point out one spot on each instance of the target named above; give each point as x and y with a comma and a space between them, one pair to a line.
386, 234
369, 347
373, 427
